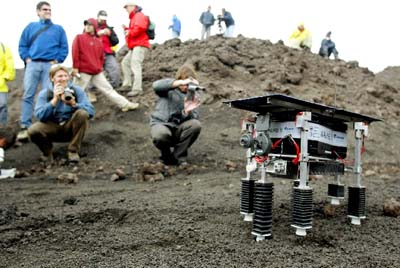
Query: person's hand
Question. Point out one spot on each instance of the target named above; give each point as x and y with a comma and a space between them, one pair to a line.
104, 31
190, 105
75, 72
187, 81
58, 91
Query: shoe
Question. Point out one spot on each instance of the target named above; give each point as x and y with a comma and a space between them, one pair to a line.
92, 97
130, 107
134, 93
73, 157
124, 88
23, 135
48, 159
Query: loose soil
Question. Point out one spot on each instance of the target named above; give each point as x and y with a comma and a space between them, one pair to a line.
157, 216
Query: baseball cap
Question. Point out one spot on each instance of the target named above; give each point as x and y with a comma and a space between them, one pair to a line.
102, 15
130, 4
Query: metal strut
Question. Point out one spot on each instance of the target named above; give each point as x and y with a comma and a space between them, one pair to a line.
302, 210
356, 203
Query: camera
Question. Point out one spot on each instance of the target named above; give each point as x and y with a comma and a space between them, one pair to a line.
192, 88
69, 94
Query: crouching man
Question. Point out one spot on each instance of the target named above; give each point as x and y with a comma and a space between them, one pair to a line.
63, 111
174, 123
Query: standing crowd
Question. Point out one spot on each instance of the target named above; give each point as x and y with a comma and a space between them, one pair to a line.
65, 103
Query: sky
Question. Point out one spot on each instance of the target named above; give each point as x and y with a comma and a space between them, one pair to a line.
365, 31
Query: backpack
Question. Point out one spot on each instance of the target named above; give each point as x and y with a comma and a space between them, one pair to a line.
151, 29
113, 37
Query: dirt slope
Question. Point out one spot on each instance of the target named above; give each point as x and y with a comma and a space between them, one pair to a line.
190, 217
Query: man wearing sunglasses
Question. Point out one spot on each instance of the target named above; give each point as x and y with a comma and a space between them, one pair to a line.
42, 44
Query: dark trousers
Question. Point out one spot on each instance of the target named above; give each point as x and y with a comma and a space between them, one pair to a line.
73, 131
179, 138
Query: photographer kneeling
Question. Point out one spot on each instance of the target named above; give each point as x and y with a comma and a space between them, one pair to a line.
174, 123
63, 112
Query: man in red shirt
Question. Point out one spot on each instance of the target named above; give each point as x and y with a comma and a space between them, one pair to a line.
138, 43
88, 60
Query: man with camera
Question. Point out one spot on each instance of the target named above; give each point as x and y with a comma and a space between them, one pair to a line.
175, 123
63, 111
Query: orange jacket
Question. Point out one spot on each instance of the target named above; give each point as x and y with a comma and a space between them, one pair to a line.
136, 32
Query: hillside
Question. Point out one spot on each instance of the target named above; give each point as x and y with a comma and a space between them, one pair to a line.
190, 217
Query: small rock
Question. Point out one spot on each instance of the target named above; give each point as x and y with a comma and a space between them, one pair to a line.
391, 208
114, 177
231, 166
100, 169
71, 200
68, 178
369, 172
329, 210
120, 173
149, 168
153, 177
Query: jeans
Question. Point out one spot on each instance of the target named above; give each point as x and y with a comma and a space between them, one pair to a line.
36, 72
3, 107
175, 34
205, 30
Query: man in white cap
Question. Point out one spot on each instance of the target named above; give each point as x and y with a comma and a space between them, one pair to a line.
138, 43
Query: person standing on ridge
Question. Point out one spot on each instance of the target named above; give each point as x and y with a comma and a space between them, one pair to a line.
41, 45
175, 27
138, 43
229, 22
207, 20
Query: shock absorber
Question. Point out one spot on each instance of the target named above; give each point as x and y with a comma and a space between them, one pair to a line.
302, 210
356, 201
263, 200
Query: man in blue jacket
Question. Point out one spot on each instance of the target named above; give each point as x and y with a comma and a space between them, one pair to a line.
42, 44
175, 27
207, 20
328, 47
63, 111
229, 22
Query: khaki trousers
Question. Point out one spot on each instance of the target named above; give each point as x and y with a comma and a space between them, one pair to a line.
101, 83
132, 64
73, 131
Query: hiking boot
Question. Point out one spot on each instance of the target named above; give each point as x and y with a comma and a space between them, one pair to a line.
47, 159
73, 157
134, 93
130, 107
92, 97
124, 88
23, 135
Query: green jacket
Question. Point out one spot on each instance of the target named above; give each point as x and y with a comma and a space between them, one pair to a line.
7, 71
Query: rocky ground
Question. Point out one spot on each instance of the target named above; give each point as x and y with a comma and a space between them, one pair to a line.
117, 208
